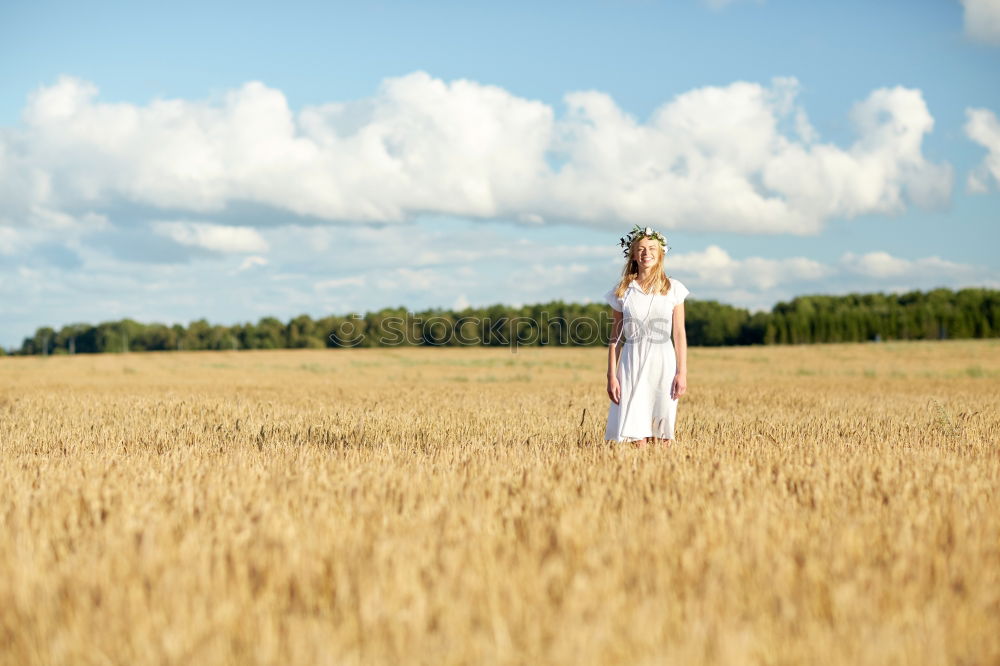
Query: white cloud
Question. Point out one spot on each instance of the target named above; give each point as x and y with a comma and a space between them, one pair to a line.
510, 250
19, 240
215, 237
715, 267
460, 303
714, 158
10, 240
982, 127
876, 264
353, 281
877, 173
549, 275
982, 20
251, 262
409, 279
884, 265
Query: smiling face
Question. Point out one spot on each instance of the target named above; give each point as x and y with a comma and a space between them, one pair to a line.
647, 253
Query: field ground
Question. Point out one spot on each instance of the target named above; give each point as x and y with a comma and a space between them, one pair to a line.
831, 504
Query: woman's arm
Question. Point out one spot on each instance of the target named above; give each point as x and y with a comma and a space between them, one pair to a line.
680, 348
614, 389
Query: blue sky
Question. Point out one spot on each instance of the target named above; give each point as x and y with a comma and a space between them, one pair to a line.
182, 160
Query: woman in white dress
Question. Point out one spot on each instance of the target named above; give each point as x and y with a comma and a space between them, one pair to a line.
645, 382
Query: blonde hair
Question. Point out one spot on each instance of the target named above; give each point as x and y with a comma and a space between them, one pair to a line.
657, 280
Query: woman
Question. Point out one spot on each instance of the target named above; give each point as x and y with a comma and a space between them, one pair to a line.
645, 383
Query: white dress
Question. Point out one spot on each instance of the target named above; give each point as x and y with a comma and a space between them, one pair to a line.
647, 365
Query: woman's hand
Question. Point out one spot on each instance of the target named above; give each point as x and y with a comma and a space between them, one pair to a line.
679, 386
614, 390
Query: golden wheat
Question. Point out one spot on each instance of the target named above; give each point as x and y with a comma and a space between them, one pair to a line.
828, 504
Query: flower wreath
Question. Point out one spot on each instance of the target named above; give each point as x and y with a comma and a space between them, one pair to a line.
639, 232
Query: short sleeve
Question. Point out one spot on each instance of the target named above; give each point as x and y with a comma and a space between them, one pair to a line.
613, 300
679, 291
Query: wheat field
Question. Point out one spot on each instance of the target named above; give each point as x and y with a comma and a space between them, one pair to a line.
834, 504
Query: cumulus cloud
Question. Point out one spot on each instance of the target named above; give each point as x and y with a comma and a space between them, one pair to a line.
404, 280
884, 265
715, 267
430, 256
214, 237
982, 20
10, 239
741, 157
541, 277
251, 262
22, 240
982, 127
337, 283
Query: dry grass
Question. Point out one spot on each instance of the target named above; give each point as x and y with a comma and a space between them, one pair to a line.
832, 504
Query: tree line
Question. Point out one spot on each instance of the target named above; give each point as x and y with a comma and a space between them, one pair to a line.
916, 315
